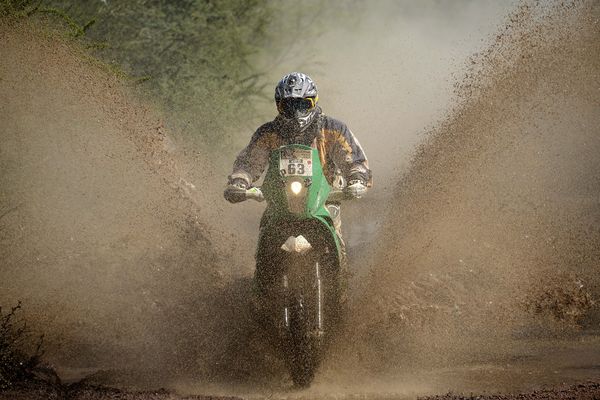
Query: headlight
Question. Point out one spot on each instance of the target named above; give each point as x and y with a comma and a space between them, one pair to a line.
296, 187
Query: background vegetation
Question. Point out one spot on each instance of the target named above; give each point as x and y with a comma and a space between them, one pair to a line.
19, 352
204, 61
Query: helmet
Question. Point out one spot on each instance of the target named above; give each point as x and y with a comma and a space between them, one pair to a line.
296, 98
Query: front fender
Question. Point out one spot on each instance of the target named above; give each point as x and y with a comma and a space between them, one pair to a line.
318, 231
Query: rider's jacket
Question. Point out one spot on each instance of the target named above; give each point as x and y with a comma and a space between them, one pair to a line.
337, 146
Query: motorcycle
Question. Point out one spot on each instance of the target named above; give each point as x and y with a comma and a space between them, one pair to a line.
299, 273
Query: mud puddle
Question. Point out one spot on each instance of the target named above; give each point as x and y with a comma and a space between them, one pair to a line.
529, 365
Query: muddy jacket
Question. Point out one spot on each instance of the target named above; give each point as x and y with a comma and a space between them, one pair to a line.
337, 146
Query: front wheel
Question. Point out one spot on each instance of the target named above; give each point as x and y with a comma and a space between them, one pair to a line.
311, 298
303, 346
303, 297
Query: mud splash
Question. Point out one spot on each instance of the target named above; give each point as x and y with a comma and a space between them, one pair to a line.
494, 234
100, 236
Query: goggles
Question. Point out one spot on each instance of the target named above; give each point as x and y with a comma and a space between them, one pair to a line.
290, 106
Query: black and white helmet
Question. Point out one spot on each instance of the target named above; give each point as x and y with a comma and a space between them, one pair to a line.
296, 98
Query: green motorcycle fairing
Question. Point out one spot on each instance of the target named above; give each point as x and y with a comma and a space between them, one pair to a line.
296, 167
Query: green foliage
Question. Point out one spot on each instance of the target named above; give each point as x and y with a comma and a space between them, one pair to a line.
76, 29
16, 8
199, 58
205, 62
16, 363
190, 54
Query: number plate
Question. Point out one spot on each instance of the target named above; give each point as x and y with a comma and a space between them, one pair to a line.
296, 162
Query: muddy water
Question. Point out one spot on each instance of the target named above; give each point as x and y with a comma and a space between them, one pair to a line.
528, 365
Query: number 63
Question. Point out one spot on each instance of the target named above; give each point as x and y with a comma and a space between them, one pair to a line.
291, 170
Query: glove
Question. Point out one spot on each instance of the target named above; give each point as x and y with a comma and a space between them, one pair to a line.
356, 188
236, 191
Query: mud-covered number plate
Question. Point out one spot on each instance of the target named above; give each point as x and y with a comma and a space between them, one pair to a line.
296, 163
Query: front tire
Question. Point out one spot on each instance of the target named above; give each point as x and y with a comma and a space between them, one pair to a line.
304, 349
305, 299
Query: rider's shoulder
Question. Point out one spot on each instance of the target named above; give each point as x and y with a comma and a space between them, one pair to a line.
333, 124
266, 129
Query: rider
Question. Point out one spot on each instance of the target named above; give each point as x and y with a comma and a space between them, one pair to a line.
301, 121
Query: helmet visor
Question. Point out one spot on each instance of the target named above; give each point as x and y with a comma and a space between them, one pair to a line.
292, 107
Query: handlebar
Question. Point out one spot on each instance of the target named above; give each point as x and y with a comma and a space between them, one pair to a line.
256, 194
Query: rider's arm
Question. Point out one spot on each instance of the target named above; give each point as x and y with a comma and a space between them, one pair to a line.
347, 153
253, 159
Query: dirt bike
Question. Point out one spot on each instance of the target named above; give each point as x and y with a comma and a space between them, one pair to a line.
300, 278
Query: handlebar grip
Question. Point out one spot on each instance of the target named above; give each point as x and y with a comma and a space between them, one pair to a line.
254, 194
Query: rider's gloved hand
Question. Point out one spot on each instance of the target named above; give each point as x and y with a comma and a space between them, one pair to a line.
236, 191
356, 188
